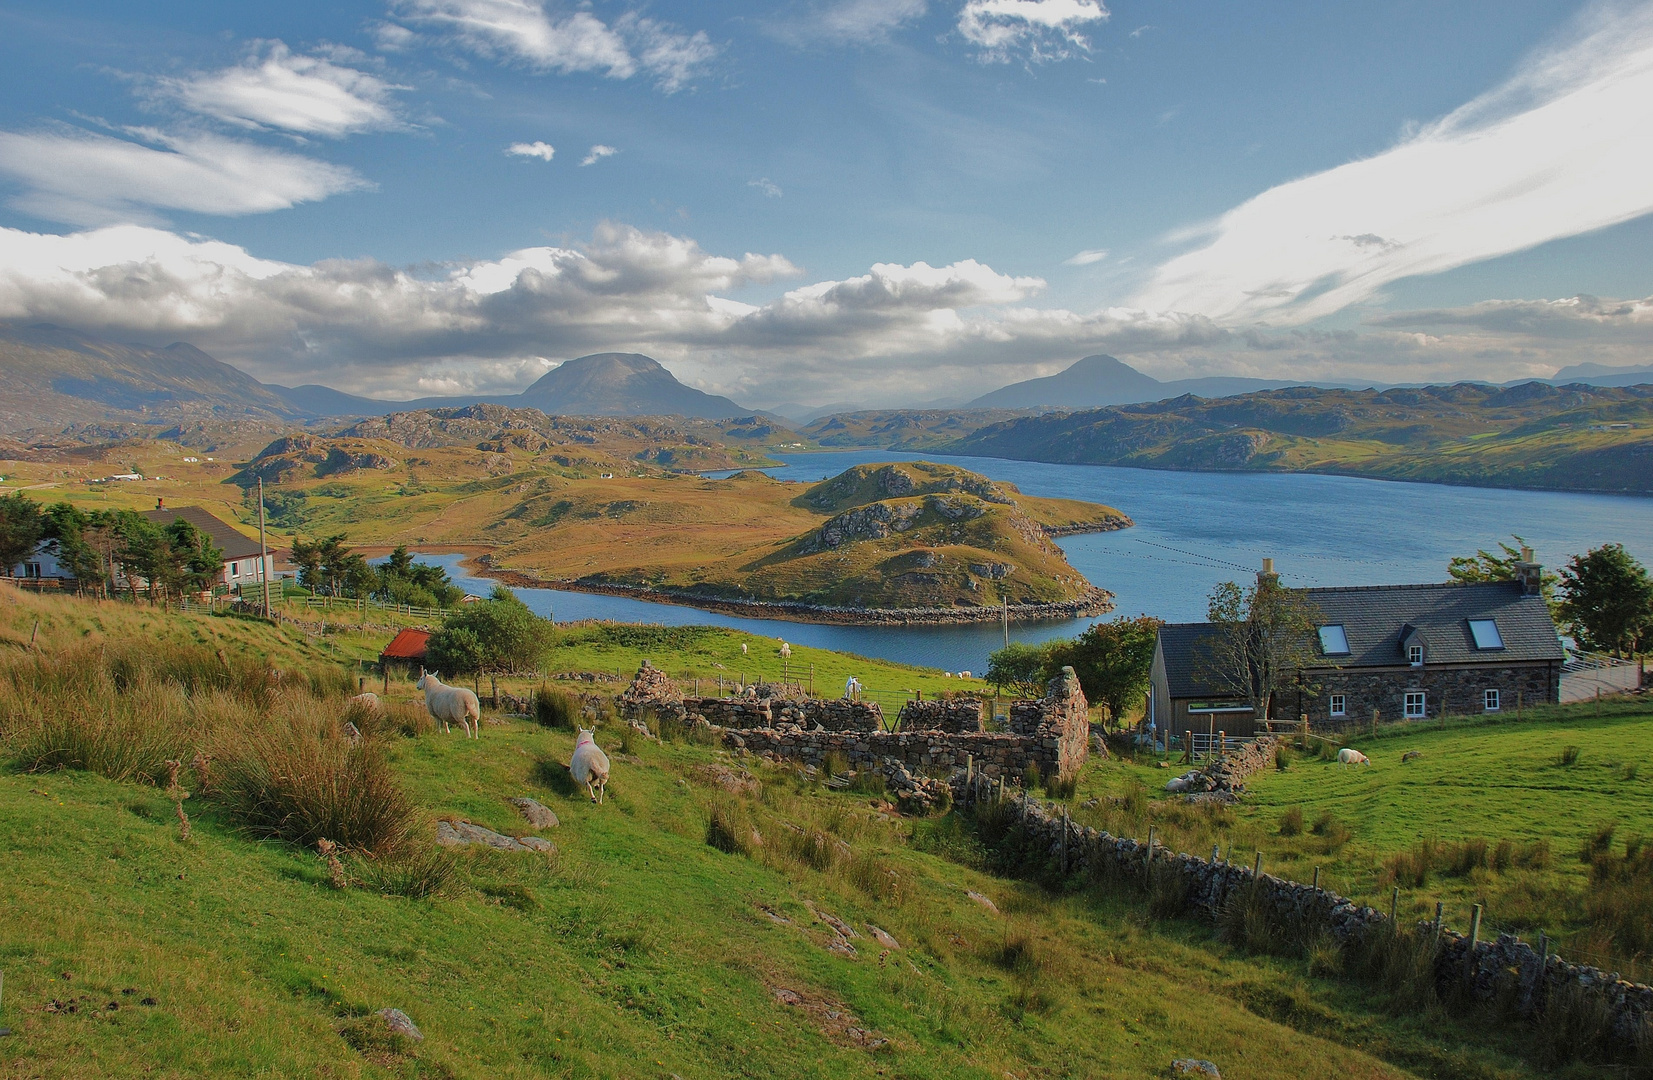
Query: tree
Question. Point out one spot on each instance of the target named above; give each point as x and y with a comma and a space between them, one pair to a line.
69, 534
328, 566
1018, 667
1607, 601
141, 550
1113, 661
400, 580
21, 529
194, 560
1485, 566
493, 637
1262, 637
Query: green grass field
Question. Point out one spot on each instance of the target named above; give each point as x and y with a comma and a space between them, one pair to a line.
638, 950
1472, 781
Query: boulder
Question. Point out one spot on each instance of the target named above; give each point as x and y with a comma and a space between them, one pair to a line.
401, 1024
538, 815
1196, 1067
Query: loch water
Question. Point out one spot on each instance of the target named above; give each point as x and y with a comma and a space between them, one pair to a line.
1192, 531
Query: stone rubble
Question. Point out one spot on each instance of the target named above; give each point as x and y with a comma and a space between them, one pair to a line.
461, 833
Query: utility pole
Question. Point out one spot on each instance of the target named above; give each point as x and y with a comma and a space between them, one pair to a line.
263, 552
1006, 622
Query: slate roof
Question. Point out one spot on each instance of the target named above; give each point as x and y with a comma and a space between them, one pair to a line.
1376, 618
236, 544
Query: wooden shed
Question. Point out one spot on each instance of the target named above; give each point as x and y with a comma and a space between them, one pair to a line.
407, 648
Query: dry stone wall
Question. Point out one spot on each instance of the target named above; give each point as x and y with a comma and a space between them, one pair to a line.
956, 715
744, 713
1503, 969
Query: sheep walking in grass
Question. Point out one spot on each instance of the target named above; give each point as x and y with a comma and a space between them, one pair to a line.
451, 704
1346, 756
589, 765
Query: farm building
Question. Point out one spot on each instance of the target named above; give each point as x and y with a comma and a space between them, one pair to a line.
1397, 651
407, 649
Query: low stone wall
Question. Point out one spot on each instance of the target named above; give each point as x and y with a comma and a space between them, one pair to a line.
743, 714
1505, 968
956, 715
995, 755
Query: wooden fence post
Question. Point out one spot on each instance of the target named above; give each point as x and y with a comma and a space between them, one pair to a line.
1394, 908
1257, 869
1064, 840
1316, 884
1150, 859
1474, 939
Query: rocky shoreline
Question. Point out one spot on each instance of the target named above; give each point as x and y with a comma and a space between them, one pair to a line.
1095, 602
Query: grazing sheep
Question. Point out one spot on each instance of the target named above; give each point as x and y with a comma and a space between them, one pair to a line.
451, 704
589, 765
1347, 756
368, 701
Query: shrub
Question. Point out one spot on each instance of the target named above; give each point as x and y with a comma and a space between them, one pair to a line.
303, 783
1291, 822
555, 708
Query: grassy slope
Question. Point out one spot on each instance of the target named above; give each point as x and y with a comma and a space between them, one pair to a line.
639, 951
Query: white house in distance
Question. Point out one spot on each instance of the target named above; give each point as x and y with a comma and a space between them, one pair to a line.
241, 561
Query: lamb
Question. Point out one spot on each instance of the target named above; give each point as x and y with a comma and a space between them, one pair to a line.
1347, 756
451, 704
589, 765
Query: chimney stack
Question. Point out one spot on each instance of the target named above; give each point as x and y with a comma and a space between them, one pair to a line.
1267, 578
1529, 573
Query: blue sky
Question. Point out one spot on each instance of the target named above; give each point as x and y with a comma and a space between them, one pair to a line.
835, 200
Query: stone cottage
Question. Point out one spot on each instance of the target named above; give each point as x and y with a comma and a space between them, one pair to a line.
1409, 652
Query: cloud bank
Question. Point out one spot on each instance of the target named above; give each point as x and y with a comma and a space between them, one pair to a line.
1031, 30
1561, 148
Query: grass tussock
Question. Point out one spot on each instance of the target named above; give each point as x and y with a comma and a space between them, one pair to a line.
415, 871
1291, 822
1620, 898
1568, 757
1413, 867
729, 827
556, 708
305, 781
1400, 961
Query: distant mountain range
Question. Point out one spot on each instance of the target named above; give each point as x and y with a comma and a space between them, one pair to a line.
57, 377
1099, 381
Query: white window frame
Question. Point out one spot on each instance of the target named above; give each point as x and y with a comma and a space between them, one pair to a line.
1414, 655
1415, 705
1491, 700
1339, 705
235, 569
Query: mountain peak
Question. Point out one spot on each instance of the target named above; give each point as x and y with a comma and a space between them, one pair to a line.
621, 384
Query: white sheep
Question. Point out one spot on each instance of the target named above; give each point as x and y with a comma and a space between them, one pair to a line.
1347, 756
368, 701
589, 765
451, 704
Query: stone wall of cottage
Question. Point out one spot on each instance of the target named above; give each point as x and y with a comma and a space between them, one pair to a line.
1448, 690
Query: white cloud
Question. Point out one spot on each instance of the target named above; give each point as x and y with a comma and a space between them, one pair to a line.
673, 58
1086, 257
1035, 30
274, 88
565, 42
83, 178
541, 150
598, 153
850, 21
768, 187
1560, 149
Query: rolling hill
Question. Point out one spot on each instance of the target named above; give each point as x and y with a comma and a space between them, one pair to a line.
1103, 380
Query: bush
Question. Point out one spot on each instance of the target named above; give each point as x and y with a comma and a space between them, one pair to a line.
558, 709
1291, 822
307, 782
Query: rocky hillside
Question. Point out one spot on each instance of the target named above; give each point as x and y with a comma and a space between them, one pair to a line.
1574, 437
